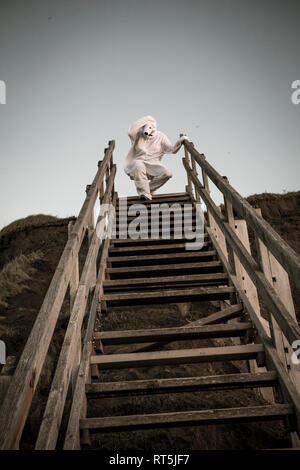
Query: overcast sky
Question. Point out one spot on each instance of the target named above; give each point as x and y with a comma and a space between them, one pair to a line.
79, 72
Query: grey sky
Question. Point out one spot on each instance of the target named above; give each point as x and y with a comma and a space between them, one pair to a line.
79, 72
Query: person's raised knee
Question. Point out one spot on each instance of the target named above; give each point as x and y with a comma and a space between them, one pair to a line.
139, 170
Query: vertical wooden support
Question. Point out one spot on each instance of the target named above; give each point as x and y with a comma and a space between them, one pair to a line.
279, 280
219, 235
76, 364
241, 230
230, 219
195, 173
74, 279
187, 159
210, 219
91, 229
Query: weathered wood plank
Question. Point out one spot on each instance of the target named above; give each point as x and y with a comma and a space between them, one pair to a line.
168, 295
189, 278
122, 242
163, 257
183, 356
173, 334
148, 249
135, 271
272, 300
182, 384
188, 418
155, 196
157, 199
219, 317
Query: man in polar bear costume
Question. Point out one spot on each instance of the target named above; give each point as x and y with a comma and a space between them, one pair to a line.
143, 161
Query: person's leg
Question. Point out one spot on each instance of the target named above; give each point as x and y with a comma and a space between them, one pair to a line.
139, 175
159, 175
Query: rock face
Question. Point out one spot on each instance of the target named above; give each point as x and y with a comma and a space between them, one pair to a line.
48, 235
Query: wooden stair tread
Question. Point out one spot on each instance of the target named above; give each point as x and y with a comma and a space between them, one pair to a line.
150, 241
155, 199
165, 334
182, 356
189, 254
123, 217
165, 279
155, 196
139, 249
165, 267
189, 292
183, 384
185, 418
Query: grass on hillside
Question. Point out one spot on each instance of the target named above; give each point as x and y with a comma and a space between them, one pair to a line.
37, 220
16, 274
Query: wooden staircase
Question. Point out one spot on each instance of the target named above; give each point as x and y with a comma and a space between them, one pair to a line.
137, 273
157, 271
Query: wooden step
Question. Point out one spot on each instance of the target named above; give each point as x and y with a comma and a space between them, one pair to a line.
122, 242
154, 249
161, 222
182, 384
190, 280
182, 356
165, 233
169, 295
164, 214
173, 334
134, 211
167, 269
162, 258
188, 418
155, 196
160, 199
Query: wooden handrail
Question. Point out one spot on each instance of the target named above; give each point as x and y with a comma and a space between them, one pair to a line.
284, 319
79, 402
288, 389
19, 395
49, 428
286, 256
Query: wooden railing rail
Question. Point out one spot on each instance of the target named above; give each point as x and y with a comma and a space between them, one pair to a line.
288, 325
49, 428
16, 405
78, 409
278, 247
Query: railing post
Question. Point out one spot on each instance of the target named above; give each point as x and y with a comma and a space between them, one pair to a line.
91, 229
187, 159
279, 280
74, 279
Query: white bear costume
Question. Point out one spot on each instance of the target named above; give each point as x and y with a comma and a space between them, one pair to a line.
143, 161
